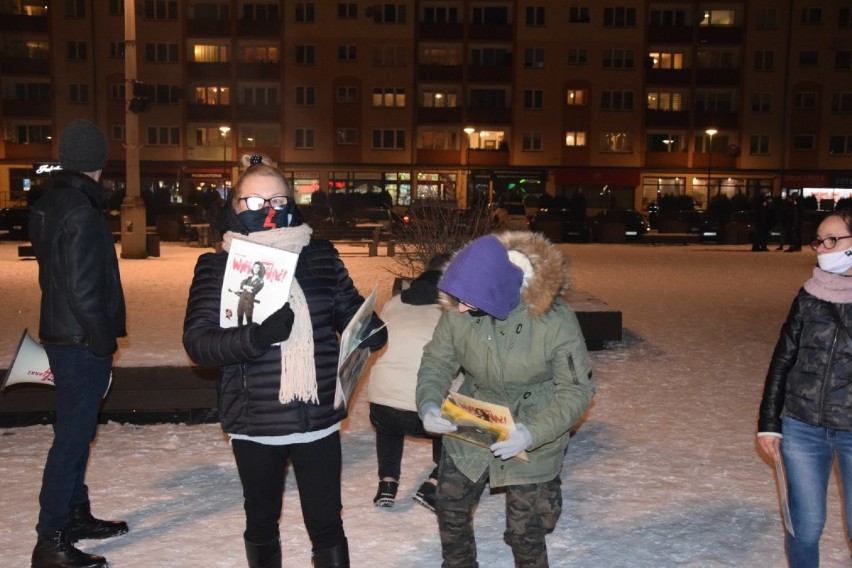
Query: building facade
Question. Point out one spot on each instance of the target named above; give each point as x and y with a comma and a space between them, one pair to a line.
624, 101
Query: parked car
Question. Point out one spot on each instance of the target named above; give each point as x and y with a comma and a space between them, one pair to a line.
618, 225
562, 225
511, 216
15, 223
692, 222
318, 214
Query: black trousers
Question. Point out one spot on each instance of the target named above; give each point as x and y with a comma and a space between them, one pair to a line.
392, 426
317, 468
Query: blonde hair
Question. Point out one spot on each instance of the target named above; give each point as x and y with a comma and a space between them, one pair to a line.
259, 165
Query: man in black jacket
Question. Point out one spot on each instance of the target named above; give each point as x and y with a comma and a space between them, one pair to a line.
82, 314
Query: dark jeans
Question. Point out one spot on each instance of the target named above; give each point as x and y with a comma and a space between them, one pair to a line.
81, 379
392, 426
317, 467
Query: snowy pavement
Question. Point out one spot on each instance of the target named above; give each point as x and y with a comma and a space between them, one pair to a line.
662, 473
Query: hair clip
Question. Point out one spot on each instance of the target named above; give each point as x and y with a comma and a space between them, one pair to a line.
256, 159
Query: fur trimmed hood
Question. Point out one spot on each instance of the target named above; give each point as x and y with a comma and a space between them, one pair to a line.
546, 274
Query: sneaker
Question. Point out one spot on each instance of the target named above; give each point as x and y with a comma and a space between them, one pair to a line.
426, 495
386, 495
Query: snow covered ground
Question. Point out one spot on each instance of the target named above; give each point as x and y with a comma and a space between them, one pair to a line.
663, 472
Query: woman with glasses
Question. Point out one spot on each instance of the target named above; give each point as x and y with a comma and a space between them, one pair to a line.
806, 412
277, 378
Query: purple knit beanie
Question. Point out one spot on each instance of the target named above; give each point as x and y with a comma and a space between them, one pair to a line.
483, 276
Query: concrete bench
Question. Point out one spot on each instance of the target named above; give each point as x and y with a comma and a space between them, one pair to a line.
371, 236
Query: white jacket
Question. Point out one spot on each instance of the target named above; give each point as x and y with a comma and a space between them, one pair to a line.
393, 378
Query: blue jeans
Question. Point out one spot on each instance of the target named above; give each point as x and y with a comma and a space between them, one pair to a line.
808, 453
81, 380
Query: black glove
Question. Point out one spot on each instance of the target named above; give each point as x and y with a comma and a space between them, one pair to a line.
275, 328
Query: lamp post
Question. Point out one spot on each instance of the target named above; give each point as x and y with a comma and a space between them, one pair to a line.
469, 130
224, 130
710, 132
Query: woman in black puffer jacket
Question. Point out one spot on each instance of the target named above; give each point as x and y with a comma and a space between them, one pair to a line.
806, 411
273, 416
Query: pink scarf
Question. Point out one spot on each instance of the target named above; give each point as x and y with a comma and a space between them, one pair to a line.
834, 288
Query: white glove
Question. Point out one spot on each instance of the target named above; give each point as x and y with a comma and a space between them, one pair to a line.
519, 440
432, 421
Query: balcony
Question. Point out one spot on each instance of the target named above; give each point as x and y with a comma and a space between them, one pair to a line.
666, 160
666, 119
24, 24
717, 77
670, 34
480, 158
254, 28
720, 35
490, 32
218, 71
676, 77
28, 152
24, 66
716, 119
27, 109
208, 28
490, 74
430, 157
259, 70
441, 31
201, 112
449, 73
489, 115
265, 113
432, 115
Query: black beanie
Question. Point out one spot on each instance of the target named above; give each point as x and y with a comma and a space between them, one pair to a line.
82, 147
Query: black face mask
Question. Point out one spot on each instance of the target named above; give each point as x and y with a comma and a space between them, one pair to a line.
265, 219
477, 313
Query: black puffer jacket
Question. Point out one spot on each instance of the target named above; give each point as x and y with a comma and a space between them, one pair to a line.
810, 376
82, 302
249, 377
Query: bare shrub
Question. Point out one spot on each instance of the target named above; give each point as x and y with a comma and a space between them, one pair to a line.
437, 227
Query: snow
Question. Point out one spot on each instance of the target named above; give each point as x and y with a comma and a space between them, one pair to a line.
662, 472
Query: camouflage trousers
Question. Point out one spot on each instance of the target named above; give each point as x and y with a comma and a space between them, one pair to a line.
531, 513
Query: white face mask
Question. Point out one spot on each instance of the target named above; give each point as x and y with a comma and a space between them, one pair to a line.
836, 262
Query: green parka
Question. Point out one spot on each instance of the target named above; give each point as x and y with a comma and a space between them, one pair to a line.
535, 363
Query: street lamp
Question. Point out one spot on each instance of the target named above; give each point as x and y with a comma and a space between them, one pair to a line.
710, 132
469, 130
224, 130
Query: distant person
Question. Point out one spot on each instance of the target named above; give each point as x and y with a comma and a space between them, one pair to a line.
792, 223
806, 413
277, 378
520, 345
762, 218
411, 317
82, 314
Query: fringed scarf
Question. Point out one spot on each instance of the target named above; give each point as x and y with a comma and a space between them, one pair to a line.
834, 288
298, 370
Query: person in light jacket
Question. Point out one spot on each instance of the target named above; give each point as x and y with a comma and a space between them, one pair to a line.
806, 412
519, 343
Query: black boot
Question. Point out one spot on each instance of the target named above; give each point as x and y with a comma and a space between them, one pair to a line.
266, 555
56, 551
84, 525
337, 557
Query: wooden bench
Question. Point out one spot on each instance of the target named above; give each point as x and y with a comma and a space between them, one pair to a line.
371, 236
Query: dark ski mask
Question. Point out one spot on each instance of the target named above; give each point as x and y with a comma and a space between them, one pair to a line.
265, 219
477, 313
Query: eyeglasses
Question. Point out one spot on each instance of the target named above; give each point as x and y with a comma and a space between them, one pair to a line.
827, 242
255, 203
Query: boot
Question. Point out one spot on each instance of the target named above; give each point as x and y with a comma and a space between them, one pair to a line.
337, 557
266, 555
84, 525
56, 551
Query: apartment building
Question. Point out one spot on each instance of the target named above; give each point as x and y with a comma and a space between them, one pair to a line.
462, 100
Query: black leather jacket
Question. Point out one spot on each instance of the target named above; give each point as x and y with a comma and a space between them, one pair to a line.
810, 376
250, 376
82, 302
